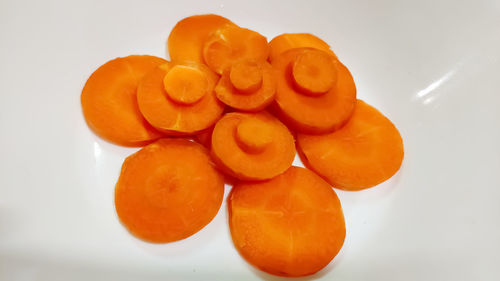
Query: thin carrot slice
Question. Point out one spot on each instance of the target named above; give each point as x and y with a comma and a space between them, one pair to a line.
287, 41
178, 99
248, 86
186, 40
109, 101
307, 108
252, 146
168, 191
365, 152
231, 44
291, 225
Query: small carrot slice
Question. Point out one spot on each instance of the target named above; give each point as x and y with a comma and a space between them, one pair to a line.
252, 146
287, 41
291, 225
179, 99
186, 40
232, 44
302, 76
109, 101
248, 86
365, 152
168, 191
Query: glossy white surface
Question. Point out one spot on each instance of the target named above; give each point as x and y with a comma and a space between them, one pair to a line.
431, 66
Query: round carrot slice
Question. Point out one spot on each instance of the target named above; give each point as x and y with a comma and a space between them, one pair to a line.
252, 146
232, 44
179, 99
315, 92
287, 41
365, 152
186, 40
291, 225
109, 101
168, 191
248, 86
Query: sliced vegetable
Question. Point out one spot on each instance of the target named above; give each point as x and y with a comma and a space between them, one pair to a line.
288, 41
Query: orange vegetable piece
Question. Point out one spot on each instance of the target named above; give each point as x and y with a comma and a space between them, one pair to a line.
365, 152
187, 38
168, 191
179, 99
109, 101
205, 137
287, 41
252, 146
291, 225
315, 92
248, 86
232, 44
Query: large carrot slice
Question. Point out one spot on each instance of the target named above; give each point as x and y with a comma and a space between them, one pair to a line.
168, 191
109, 101
179, 99
365, 152
232, 44
187, 38
315, 92
252, 146
291, 225
287, 41
248, 86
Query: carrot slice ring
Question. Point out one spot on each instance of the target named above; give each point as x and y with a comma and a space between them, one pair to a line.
365, 152
157, 196
109, 101
310, 110
248, 86
186, 40
188, 107
291, 225
252, 146
231, 44
287, 41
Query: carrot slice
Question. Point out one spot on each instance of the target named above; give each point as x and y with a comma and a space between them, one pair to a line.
248, 86
365, 152
252, 146
178, 99
287, 41
291, 225
109, 101
232, 44
307, 108
186, 40
168, 191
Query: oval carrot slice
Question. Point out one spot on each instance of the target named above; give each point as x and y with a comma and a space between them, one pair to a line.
186, 40
179, 99
168, 191
302, 76
291, 225
232, 44
287, 41
365, 152
252, 146
109, 101
247, 86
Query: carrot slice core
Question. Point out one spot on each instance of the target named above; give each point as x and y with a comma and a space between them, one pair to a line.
246, 77
185, 84
314, 73
254, 135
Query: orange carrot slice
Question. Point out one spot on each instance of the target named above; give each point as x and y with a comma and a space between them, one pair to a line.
186, 40
365, 152
168, 191
248, 86
315, 92
179, 99
252, 146
232, 44
109, 101
287, 41
291, 225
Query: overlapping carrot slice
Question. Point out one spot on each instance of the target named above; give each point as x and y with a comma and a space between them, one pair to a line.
288, 41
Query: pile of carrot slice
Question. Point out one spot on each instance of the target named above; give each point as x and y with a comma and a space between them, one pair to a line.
229, 103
